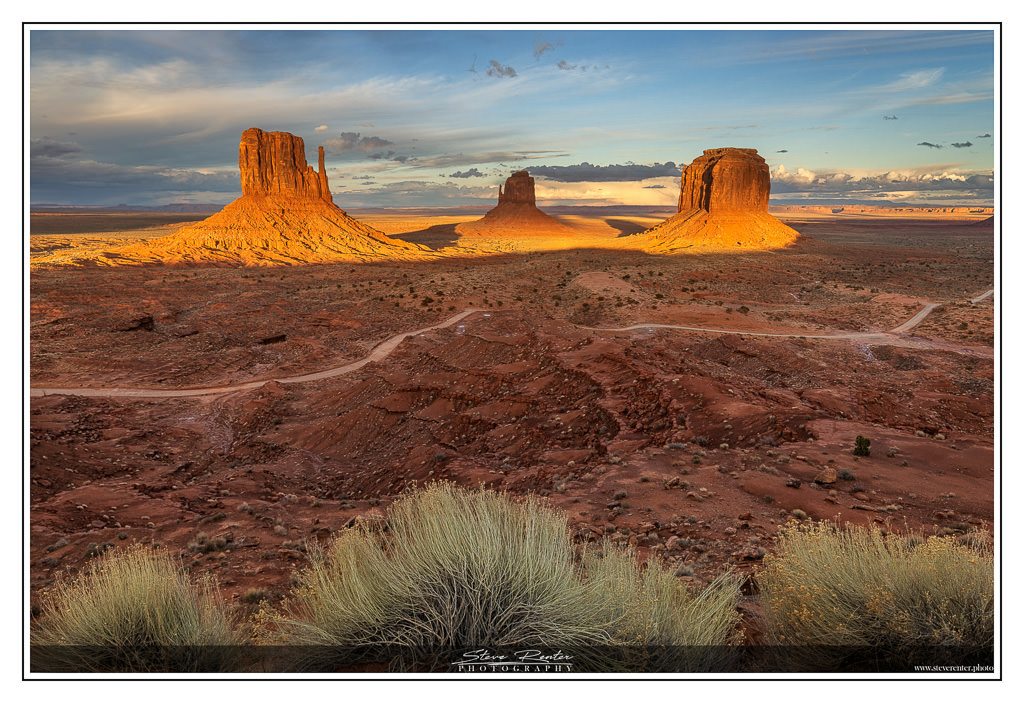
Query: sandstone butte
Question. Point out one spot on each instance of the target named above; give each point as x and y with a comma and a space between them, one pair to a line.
723, 204
286, 215
516, 214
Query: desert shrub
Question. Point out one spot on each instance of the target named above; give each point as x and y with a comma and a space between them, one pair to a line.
830, 593
659, 624
460, 570
862, 446
133, 610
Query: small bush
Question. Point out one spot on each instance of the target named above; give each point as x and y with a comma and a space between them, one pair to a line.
133, 610
477, 569
826, 589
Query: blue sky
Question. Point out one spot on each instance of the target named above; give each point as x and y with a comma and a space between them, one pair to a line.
438, 118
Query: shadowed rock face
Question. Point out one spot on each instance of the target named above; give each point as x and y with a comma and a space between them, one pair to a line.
726, 180
274, 163
518, 189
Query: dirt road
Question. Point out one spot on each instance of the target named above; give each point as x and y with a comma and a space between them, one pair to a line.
379, 352
387, 346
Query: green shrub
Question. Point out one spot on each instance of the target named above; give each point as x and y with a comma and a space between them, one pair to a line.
133, 610
825, 589
462, 570
862, 446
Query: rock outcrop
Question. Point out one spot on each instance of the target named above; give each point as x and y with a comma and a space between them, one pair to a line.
723, 204
274, 163
516, 214
518, 189
726, 180
286, 215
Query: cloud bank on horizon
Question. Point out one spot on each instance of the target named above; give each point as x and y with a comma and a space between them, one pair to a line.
441, 117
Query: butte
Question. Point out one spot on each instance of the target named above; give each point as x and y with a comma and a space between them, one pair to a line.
723, 204
286, 215
516, 214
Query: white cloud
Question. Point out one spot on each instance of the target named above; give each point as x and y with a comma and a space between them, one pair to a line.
915, 80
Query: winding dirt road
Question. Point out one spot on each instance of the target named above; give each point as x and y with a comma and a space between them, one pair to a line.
388, 345
984, 295
379, 352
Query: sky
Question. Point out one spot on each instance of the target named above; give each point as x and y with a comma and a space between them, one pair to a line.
438, 118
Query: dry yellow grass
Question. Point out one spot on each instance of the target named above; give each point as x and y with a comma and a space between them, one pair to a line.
462, 570
826, 587
133, 610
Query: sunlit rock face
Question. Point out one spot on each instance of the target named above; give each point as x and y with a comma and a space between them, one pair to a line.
726, 180
516, 214
274, 163
723, 204
286, 215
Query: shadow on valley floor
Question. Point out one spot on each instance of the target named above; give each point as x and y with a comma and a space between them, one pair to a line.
625, 227
436, 237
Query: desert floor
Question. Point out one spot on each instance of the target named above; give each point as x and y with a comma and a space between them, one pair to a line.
692, 444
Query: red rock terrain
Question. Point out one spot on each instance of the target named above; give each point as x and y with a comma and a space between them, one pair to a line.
695, 445
723, 204
286, 215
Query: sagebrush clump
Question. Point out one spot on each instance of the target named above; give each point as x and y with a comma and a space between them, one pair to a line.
825, 589
133, 610
464, 569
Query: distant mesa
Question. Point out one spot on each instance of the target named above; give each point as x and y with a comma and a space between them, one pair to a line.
516, 213
723, 204
286, 215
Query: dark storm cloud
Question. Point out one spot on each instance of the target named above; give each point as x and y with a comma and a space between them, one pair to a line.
51, 148
613, 172
566, 66
655, 186
89, 182
782, 151
930, 145
962, 145
499, 71
890, 117
540, 45
984, 136
471, 173
348, 143
60, 175
419, 193
485, 157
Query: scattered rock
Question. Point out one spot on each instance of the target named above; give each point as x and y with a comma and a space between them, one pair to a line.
827, 476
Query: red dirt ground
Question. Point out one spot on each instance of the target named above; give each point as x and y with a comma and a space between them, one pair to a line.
688, 444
